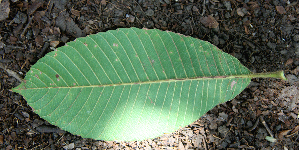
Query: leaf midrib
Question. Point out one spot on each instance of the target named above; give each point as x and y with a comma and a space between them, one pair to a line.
151, 82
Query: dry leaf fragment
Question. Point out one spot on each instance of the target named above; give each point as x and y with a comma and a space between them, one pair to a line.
209, 22
289, 61
283, 133
103, 2
280, 10
296, 129
270, 139
39, 40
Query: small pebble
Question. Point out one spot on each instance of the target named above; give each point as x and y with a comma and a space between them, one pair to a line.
242, 11
215, 40
167, 1
130, 18
149, 12
228, 5
271, 45
283, 52
296, 37
69, 146
149, 24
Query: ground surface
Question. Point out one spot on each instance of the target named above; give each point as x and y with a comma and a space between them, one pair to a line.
263, 35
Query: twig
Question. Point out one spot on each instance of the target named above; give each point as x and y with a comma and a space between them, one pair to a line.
255, 125
192, 24
11, 73
24, 63
204, 7
266, 126
204, 142
14, 47
46, 45
26, 27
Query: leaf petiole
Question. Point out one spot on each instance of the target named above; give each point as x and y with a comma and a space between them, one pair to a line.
277, 74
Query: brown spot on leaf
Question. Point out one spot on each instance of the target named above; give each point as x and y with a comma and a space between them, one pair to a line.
232, 85
36, 76
152, 61
55, 54
57, 76
115, 44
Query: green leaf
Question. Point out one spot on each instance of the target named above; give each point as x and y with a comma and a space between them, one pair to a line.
132, 84
271, 139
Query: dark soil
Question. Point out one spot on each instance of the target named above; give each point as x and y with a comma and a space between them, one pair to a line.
262, 34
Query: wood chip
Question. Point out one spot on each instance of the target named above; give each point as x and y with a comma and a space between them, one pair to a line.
54, 43
33, 7
4, 10
75, 12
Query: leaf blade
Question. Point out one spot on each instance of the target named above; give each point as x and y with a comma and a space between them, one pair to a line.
131, 84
